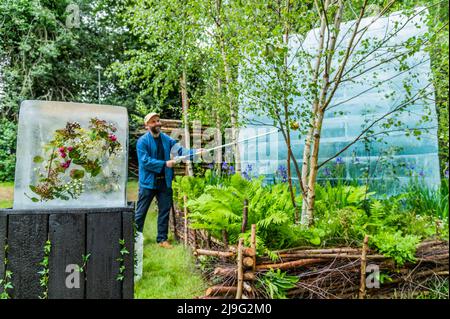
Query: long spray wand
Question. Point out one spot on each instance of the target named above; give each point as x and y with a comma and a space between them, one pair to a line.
178, 159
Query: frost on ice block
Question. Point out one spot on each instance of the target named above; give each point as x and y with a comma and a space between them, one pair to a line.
71, 155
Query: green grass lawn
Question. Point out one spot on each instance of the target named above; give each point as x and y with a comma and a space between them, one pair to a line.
167, 273
6, 194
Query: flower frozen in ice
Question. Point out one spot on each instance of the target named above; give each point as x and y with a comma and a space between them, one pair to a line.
112, 137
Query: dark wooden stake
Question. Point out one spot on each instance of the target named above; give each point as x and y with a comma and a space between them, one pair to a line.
174, 223
185, 221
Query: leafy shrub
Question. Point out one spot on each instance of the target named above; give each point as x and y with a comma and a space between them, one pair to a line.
7, 150
424, 200
344, 215
340, 196
220, 207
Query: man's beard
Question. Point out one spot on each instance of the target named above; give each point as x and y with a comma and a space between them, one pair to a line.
155, 129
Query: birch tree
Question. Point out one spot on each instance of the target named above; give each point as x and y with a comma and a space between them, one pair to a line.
341, 56
169, 34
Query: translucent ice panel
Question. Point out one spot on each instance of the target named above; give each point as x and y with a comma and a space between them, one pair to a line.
71, 155
399, 156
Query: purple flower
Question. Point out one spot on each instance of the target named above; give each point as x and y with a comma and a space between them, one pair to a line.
411, 167
422, 173
327, 172
282, 171
210, 165
339, 160
224, 165
246, 176
446, 173
282, 168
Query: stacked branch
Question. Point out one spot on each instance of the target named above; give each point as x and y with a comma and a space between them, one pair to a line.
325, 273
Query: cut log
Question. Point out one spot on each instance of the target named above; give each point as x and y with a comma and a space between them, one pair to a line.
308, 249
329, 256
290, 264
214, 297
247, 262
249, 252
232, 272
214, 253
220, 290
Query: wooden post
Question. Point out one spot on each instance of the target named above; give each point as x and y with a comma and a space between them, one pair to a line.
208, 240
244, 216
225, 238
195, 238
174, 222
185, 221
240, 270
253, 244
362, 286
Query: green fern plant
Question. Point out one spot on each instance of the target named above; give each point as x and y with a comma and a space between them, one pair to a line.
277, 283
400, 247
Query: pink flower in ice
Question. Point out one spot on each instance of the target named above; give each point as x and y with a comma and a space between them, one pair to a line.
63, 155
62, 149
66, 164
70, 148
112, 137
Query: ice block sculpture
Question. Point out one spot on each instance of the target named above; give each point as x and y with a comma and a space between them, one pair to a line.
392, 159
71, 155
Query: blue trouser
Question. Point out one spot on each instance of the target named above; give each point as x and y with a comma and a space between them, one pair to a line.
164, 198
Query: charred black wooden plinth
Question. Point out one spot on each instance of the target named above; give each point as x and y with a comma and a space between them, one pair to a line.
86, 238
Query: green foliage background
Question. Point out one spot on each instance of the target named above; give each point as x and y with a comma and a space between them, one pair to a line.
41, 58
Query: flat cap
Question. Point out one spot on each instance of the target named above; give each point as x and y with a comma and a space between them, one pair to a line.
149, 116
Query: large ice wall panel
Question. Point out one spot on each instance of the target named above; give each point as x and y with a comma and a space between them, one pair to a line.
396, 158
71, 155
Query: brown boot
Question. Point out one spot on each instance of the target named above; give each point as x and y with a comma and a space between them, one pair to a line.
165, 244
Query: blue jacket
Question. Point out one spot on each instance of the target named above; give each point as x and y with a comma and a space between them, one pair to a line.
150, 166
